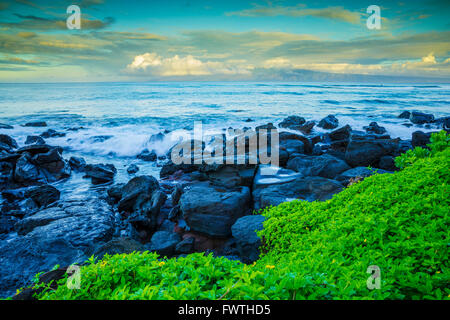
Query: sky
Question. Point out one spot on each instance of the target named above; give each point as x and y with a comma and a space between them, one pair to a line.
158, 40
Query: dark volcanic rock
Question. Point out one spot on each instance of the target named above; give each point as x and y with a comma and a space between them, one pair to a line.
325, 165
213, 210
132, 169
118, 246
404, 115
147, 155
115, 192
292, 122
8, 141
6, 172
420, 139
59, 235
368, 151
36, 124
244, 231
50, 133
43, 195
25, 170
307, 127
164, 242
77, 163
373, 127
273, 186
100, 173
329, 122
5, 126
420, 118
444, 122
136, 191
387, 163
342, 133
176, 194
185, 246
34, 140
359, 173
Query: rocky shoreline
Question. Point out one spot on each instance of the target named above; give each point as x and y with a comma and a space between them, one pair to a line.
189, 208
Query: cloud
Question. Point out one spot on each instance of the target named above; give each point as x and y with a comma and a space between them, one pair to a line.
332, 13
153, 64
15, 60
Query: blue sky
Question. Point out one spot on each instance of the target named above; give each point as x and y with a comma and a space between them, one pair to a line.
220, 40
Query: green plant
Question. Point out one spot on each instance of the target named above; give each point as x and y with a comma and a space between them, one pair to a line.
312, 250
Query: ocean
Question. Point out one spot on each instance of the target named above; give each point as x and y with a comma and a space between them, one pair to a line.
112, 122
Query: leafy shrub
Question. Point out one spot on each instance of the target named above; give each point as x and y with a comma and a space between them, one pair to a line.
319, 250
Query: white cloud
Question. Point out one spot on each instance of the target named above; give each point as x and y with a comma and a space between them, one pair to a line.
151, 63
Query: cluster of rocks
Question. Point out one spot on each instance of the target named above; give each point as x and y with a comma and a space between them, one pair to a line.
420, 118
191, 208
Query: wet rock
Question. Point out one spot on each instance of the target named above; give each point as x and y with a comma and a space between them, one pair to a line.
6, 172
147, 155
185, 246
8, 141
273, 186
115, 192
368, 151
34, 140
167, 225
373, 127
174, 213
36, 124
325, 165
176, 194
25, 170
244, 231
164, 243
268, 127
404, 115
292, 122
77, 163
59, 235
118, 246
420, 118
329, 122
99, 139
100, 173
420, 139
232, 176
444, 122
43, 195
36, 148
387, 163
137, 191
5, 126
50, 133
213, 210
132, 169
307, 127
358, 173
342, 133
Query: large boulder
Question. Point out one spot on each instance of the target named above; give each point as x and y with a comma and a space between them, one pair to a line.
136, 191
329, 122
368, 151
34, 140
100, 173
420, 139
292, 122
8, 141
118, 246
164, 243
244, 230
273, 186
342, 133
324, 165
43, 195
404, 115
420, 117
26, 171
36, 124
213, 210
358, 173
61, 235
